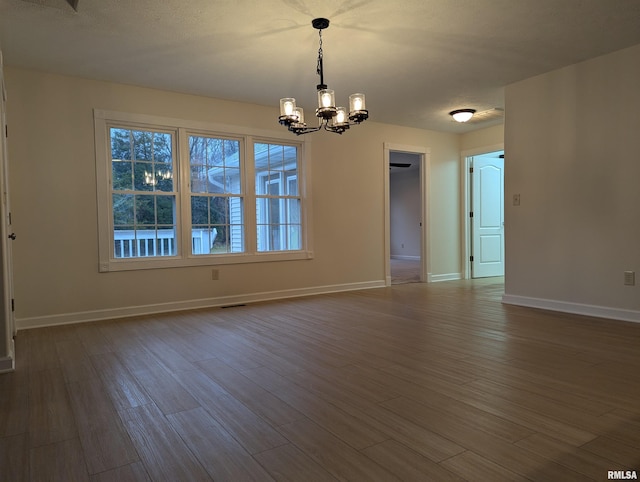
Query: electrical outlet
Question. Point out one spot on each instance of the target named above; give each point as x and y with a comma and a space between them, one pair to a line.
629, 278
215, 275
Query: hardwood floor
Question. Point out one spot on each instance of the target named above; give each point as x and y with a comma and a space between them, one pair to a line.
430, 382
405, 270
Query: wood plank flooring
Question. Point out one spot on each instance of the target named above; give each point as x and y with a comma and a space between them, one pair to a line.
425, 382
405, 271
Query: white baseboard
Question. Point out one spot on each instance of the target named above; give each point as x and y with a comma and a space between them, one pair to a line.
109, 314
574, 308
434, 278
7, 364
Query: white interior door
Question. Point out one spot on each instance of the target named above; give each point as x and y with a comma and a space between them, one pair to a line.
8, 328
487, 244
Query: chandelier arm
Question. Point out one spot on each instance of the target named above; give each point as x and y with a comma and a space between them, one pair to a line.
304, 130
335, 129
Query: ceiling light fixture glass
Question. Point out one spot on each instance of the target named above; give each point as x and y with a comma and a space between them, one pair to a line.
462, 115
330, 118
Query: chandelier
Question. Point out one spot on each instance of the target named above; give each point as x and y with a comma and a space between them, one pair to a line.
330, 118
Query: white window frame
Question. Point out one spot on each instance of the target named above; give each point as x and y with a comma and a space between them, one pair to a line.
104, 120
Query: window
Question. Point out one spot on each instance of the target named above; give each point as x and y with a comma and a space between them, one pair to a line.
216, 196
142, 193
277, 197
179, 193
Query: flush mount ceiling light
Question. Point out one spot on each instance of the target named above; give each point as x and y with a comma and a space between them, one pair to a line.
462, 115
330, 118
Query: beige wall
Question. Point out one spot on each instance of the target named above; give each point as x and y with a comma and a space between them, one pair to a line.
482, 138
572, 144
53, 192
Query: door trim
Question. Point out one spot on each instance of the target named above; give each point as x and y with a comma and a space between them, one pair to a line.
7, 351
465, 163
425, 232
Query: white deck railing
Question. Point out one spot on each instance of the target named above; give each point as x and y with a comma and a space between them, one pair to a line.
141, 243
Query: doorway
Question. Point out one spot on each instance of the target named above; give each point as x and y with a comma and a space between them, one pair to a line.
485, 240
406, 259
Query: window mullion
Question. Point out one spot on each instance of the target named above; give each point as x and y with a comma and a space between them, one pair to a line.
185, 192
248, 156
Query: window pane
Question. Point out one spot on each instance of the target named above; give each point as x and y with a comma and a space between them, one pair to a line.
121, 173
232, 180
290, 154
215, 165
232, 153
199, 210
198, 178
162, 148
236, 211
215, 153
274, 211
120, 144
203, 239
197, 150
124, 242
295, 241
261, 157
216, 180
293, 211
142, 145
276, 157
163, 177
143, 179
274, 186
218, 212
271, 237
292, 183
122, 209
263, 238
145, 208
165, 241
165, 210
145, 241
218, 225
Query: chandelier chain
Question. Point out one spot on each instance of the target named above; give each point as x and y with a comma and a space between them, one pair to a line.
319, 67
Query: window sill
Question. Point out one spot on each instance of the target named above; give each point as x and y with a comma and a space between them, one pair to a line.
215, 260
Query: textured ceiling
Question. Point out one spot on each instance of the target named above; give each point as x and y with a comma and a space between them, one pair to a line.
416, 60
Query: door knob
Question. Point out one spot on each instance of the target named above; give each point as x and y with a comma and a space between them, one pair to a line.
12, 236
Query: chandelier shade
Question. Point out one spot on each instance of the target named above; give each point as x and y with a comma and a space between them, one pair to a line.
330, 118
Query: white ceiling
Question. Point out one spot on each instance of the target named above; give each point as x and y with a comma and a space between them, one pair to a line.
415, 60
